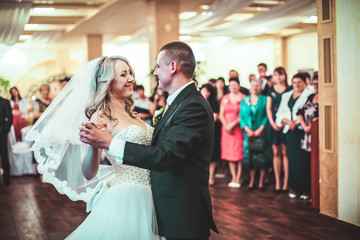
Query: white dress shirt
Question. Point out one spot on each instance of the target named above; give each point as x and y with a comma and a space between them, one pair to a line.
117, 146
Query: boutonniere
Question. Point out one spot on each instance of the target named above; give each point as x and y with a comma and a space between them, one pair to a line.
157, 115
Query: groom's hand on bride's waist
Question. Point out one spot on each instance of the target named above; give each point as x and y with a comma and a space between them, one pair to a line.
95, 134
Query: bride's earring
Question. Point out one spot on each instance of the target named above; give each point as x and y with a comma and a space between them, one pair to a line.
109, 90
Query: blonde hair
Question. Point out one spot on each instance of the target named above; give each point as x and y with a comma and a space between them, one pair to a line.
100, 88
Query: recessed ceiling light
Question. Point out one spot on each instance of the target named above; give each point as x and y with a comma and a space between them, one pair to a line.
186, 15
44, 10
312, 19
24, 37
205, 7
207, 14
239, 17
31, 26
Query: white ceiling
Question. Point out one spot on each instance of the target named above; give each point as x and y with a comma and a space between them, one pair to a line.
74, 19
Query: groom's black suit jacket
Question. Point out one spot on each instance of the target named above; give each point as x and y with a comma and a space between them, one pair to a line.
179, 161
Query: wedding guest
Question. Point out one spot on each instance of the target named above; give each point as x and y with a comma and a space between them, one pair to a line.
157, 100
287, 118
243, 90
41, 103
209, 94
262, 69
307, 115
231, 133
142, 104
274, 134
221, 88
252, 77
253, 120
64, 81
235, 74
6, 120
19, 108
212, 82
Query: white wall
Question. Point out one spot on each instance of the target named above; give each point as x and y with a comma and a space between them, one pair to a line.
22, 59
138, 56
302, 53
26, 66
242, 56
348, 65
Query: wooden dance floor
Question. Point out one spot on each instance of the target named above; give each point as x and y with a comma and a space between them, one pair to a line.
32, 210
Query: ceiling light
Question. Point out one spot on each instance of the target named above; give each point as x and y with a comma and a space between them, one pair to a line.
186, 15
124, 38
44, 10
24, 37
204, 7
31, 26
209, 14
239, 17
312, 19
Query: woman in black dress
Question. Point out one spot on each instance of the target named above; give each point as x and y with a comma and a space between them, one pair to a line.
288, 118
41, 103
307, 115
209, 93
275, 135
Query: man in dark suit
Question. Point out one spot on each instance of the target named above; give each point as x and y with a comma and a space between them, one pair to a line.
6, 119
266, 82
179, 156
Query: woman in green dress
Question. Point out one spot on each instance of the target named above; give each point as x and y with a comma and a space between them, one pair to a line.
253, 119
287, 118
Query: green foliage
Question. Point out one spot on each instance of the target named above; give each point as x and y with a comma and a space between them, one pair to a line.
198, 70
4, 87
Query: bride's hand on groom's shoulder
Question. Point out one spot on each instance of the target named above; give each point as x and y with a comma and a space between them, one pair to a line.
95, 134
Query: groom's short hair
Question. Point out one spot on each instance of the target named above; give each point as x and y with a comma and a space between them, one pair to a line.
183, 54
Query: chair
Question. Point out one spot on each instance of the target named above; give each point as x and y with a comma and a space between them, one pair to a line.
20, 156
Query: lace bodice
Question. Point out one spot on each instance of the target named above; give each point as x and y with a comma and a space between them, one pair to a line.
129, 174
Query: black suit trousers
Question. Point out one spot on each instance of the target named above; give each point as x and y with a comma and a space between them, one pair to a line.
5, 158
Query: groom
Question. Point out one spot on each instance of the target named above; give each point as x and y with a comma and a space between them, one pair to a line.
179, 155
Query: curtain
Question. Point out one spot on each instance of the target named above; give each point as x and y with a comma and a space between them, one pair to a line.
284, 15
220, 9
45, 37
13, 17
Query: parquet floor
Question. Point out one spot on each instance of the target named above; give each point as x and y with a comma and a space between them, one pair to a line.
35, 211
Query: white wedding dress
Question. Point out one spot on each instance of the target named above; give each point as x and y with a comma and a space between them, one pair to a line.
124, 207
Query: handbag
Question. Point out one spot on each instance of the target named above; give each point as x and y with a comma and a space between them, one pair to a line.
256, 144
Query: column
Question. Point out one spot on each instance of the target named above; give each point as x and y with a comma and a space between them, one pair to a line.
94, 45
162, 27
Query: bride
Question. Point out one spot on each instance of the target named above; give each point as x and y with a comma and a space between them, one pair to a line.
118, 196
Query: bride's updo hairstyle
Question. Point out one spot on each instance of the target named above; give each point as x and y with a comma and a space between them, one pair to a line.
100, 88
